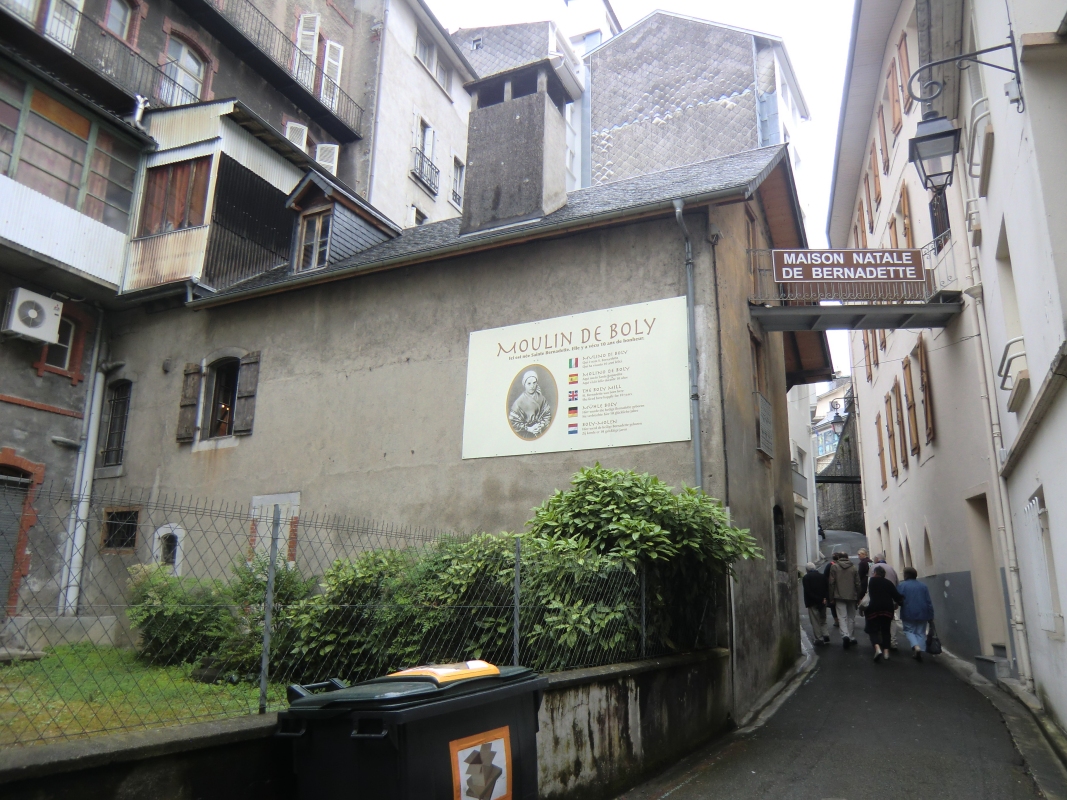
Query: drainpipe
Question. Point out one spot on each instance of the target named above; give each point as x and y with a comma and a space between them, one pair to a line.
377, 103
694, 391
1005, 529
77, 524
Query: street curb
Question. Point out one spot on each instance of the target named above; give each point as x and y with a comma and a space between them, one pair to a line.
1056, 738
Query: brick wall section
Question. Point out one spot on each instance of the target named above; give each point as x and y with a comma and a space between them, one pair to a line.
670, 92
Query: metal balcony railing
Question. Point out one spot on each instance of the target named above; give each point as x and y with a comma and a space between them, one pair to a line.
88, 43
1005, 371
425, 170
939, 263
271, 40
457, 196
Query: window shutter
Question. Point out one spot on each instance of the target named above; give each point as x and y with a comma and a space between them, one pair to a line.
189, 401
874, 349
905, 213
909, 399
297, 134
894, 239
881, 338
867, 354
870, 206
1036, 519
900, 425
245, 407
331, 69
307, 46
924, 387
881, 448
874, 173
882, 139
862, 229
892, 86
326, 155
892, 437
905, 70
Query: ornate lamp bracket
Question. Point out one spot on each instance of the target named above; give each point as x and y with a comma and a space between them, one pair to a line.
931, 89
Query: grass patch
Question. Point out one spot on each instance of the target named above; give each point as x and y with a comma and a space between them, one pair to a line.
80, 690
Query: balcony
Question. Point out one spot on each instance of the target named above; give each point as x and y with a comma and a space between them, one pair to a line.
249, 33
424, 171
83, 40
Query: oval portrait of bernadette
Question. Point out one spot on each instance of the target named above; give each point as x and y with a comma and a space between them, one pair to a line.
531, 404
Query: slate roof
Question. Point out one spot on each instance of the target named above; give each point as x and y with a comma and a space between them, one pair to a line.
504, 47
741, 173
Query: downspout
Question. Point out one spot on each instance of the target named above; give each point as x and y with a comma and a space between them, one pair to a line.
77, 524
1005, 529
377, 103
694, 391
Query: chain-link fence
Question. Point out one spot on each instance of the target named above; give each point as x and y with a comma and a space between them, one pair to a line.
131, 611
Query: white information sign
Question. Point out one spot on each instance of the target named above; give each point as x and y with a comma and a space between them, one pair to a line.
610, 378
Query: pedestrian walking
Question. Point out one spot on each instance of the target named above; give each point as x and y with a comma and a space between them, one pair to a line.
845, 591
916, 611
891, 576
883, 599
829, 600
815, 600
865, 570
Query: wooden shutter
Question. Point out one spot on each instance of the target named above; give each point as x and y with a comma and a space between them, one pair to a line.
867, 354
881, 448
892, 88
855, 237
892, 437
326, 155
905, 213
905, 70
909, 399
881, 339
874, 174
870, 205
883, 140
900, 424
245, 408
863, 229
331, 69
894, 239
189, 401
924, 387
874, 350
307, 49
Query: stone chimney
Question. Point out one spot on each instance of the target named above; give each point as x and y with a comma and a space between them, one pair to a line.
516, 142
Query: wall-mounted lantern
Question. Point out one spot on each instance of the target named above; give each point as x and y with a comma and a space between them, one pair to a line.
933, 151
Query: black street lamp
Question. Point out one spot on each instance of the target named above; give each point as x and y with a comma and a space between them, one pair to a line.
933, 151
837, 422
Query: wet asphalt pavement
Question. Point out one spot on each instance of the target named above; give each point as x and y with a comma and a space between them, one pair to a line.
856, 729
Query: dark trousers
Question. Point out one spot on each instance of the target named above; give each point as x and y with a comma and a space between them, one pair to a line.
880, 630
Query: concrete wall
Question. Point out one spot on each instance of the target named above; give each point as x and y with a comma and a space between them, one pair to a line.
802, 453
600, 732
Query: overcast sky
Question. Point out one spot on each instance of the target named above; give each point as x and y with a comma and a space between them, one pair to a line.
816, 34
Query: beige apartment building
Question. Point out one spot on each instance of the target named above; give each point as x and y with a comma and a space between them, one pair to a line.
962, 429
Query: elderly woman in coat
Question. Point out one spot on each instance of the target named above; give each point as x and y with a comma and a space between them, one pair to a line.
884, 598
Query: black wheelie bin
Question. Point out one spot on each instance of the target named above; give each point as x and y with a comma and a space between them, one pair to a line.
462, 731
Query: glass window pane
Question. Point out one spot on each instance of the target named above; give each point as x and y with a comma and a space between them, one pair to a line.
58, 354
46, 184
118, 18
12, 88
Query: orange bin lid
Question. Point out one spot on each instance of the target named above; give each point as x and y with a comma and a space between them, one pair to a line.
446, 673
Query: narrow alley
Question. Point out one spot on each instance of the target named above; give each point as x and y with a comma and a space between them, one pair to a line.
857, 729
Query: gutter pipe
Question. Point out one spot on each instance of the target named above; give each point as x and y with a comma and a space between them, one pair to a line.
377, 104
78, 523
690, 307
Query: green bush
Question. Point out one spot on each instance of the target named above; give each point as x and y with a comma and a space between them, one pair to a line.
179, 619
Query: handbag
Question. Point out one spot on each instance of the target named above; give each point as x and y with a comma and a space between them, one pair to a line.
933, 643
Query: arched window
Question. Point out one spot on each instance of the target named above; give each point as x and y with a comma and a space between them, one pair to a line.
185, 68
167, 547
119, 16
219, 420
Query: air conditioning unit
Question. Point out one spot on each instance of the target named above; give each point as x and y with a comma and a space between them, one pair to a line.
32, 316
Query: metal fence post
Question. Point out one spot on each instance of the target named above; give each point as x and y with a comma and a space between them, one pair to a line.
268, 607
643, 629
515, 634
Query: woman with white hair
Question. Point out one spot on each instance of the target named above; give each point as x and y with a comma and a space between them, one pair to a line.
531, 412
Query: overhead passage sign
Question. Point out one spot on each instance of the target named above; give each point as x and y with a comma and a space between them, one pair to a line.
850, 266
610, 378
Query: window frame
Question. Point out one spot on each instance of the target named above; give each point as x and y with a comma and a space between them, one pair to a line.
113, 402
892, 86
83, 324
433, 61
138, 12
212, 398
315, 215
883, 138
142, 217
105, 546
16, 158
191, 39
